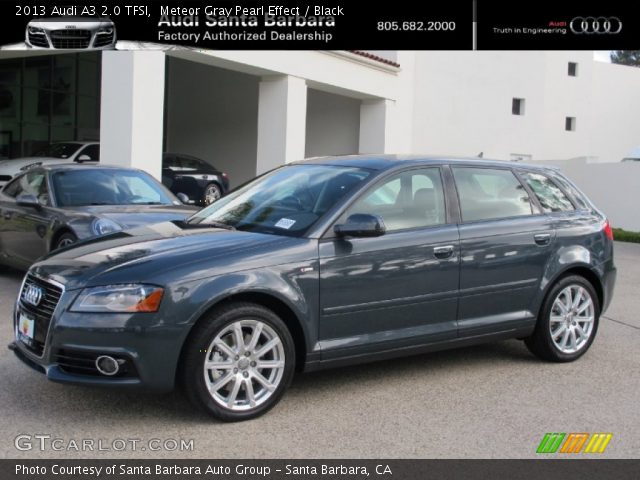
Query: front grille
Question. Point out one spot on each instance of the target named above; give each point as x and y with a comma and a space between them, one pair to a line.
42, 313
5, 178
38, 40
103, 39
70, 38
78, 362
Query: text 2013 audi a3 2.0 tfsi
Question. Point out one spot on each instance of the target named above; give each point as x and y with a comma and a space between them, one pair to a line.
323, 263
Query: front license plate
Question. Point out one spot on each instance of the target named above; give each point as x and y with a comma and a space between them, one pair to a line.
26, 329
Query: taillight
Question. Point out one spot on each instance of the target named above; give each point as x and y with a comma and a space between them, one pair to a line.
608, 231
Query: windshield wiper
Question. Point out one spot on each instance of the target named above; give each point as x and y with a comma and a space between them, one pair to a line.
211, 224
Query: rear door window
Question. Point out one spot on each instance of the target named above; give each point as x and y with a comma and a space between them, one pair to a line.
488, 193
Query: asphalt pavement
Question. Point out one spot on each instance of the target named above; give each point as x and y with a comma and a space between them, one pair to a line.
490, 401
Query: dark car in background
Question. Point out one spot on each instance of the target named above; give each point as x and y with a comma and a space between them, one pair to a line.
200, 181
324, 263
53, 206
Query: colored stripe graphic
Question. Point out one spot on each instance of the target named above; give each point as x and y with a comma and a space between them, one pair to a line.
598, 443
550, 443
574, 443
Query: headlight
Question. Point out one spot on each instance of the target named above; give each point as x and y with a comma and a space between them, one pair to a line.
102, 226
119, 299
105, 30
35, 30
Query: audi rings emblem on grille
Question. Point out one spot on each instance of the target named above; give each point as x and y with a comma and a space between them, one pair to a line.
596, 25
33, 295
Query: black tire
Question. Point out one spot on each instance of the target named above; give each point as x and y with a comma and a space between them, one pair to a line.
211, 190
65, 240
541, 343
194, 376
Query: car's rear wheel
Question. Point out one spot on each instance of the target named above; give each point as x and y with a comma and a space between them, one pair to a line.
568, 321
238, 362
65, 240
212, 192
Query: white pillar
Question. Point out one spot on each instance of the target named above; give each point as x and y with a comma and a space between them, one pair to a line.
282, 117
376, 126
132, 110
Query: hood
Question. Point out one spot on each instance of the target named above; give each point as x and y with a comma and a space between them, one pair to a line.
12, 167
81, 23
132, 216
149, 254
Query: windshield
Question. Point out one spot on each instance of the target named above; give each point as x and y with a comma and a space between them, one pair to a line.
58, 150
286, 201
76, 188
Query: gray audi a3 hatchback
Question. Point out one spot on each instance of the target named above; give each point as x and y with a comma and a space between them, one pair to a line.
321, 263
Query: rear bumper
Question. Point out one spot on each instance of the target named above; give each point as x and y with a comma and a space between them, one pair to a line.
608, 285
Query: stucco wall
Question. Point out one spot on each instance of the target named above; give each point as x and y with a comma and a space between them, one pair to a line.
463, 105
333, 124
212, 113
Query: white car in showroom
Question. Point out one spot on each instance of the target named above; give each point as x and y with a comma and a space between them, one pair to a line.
63, 152
71, 33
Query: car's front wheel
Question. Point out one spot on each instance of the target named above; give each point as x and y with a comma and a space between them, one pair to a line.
238, 362
212, 192
65, 240
568, 321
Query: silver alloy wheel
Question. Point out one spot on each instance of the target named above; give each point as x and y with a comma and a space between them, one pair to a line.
211, 193
572, 319
65, 242
244, 365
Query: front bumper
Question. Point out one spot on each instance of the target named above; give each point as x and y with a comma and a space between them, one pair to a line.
150, 347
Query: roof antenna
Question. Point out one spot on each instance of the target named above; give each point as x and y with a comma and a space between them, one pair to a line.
481, 154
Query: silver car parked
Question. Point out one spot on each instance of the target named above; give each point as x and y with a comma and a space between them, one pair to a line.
71, 33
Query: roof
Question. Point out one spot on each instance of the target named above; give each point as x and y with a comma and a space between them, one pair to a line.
376, 58
388, 161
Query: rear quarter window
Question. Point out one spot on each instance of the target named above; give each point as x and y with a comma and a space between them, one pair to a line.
551, 197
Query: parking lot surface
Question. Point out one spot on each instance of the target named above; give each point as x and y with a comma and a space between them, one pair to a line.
490, 401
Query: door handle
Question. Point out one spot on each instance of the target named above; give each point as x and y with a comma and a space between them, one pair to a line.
443, 252
542, 238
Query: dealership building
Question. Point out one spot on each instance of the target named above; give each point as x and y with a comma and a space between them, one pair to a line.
249, 111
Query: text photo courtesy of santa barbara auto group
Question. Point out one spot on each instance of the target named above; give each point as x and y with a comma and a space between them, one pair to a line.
315, 239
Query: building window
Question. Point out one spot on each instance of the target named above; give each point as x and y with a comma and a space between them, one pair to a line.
570, 124
517, 106
573, 69
521, 157
47, 99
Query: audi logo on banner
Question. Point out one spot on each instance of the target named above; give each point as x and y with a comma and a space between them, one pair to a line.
595, 25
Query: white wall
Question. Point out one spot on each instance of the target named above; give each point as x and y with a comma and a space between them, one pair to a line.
613, 187
333, 124
616, 107
132, 104
212, 113
463, 105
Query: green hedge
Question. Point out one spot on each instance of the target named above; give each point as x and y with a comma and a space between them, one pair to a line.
621, 235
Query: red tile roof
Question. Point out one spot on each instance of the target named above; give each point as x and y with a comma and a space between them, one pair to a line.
376, 58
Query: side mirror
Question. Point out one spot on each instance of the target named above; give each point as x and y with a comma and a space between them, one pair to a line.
183, 198
361, 225
84, 158
28, 200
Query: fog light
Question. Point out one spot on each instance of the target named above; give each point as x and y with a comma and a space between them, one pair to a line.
107, 365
